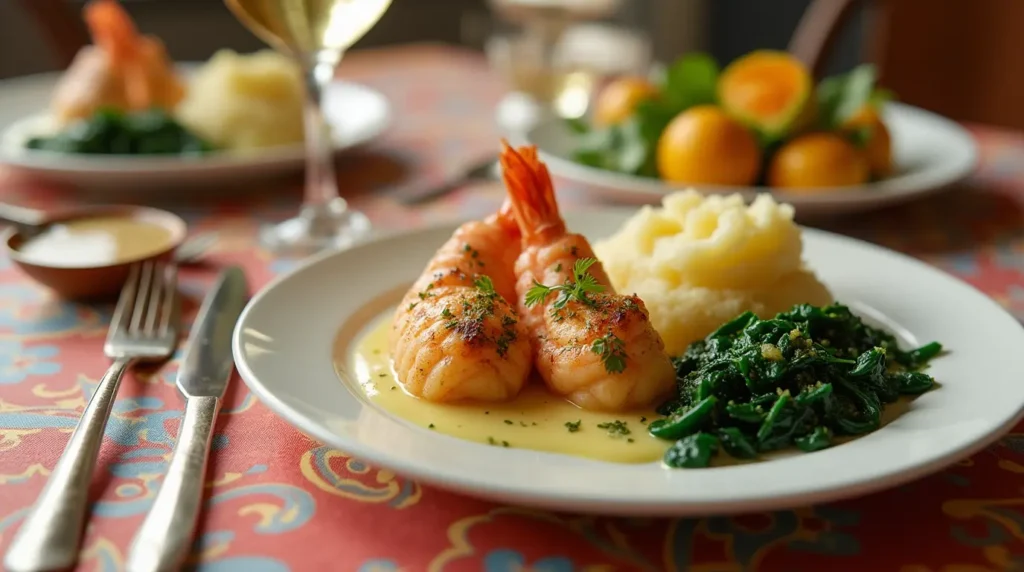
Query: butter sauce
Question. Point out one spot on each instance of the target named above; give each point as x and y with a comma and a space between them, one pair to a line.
535, 420
95, 241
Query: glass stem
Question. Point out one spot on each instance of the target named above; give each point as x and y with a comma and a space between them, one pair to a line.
321, 191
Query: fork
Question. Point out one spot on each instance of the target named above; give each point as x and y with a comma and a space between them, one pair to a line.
144, 327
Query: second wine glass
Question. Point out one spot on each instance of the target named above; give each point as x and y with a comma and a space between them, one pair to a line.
316, 34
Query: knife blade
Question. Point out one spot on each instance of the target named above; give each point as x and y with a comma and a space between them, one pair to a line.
207, 364
165, 538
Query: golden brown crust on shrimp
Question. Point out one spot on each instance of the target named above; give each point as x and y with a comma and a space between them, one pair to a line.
594, 346
455, 335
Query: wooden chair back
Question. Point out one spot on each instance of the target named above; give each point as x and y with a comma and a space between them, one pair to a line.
60, 24
960, 59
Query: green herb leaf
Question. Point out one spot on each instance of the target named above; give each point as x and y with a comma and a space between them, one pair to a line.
577, 125
612, 351
484, 284
577, 288
691, 80
615, 428
880, 96
573, 426
840, 97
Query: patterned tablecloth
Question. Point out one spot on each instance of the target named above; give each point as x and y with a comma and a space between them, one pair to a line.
280, 501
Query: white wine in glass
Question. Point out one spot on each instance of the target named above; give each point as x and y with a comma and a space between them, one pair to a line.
316, 34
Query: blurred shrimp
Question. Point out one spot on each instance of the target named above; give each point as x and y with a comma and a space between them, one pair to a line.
455, 336
121, 70
593, 346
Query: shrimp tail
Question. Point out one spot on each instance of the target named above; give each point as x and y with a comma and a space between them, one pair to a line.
112, 29
141, 62
531, 194
506, 219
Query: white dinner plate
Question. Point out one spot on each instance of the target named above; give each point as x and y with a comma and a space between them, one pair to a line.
357, 114
283, 350
929, 152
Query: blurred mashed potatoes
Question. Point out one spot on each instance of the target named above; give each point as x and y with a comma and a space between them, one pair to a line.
698, 261
244, 102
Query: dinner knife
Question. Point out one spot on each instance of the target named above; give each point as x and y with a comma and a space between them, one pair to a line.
165, 537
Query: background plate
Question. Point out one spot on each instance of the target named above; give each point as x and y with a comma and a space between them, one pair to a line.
357, 113
929, 151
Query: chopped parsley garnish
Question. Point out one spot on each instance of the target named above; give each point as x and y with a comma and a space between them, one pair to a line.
576, 288
615, 428
612, 351
508, 422
431, 426
573, 426
477, 306
483, 283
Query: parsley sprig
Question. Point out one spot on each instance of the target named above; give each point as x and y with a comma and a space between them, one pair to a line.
577, 288
612, 350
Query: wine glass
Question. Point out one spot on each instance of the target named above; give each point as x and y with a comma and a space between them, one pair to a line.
546, 83
316, 34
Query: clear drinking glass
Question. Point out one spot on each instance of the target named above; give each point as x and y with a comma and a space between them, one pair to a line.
316, 34
539, 54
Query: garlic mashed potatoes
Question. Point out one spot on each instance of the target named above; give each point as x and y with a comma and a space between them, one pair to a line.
245, 102
698, 261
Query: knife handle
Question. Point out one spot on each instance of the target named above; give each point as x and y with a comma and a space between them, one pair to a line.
165, 538
49, 538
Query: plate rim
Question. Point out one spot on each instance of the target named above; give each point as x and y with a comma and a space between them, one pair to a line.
480, 488
871, 193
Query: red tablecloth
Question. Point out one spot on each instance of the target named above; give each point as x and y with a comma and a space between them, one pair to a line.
280, 501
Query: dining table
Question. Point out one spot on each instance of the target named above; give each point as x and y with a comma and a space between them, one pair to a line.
278, 500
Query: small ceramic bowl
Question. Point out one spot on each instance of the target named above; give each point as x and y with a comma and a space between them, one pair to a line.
89, 282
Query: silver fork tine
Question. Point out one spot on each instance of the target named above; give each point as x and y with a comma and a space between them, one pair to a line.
126, 302
155, 303
138, 312
170, 313
50, 536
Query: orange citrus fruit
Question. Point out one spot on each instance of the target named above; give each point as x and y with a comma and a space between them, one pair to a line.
819, 161
879, 145
703, 145
768, 90
616, 102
